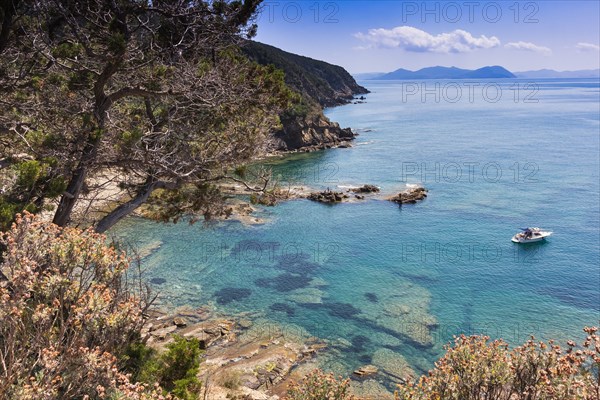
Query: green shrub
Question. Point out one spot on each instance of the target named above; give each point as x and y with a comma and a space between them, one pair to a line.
175, 370
179, 367
139, 360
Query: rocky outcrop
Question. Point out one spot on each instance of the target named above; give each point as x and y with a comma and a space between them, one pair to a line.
365, 189
327, 196
410, 196
319, 85
311, 134
331, 197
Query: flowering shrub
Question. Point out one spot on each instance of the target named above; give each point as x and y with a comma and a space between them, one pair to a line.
320, 386
475, 369
64, 315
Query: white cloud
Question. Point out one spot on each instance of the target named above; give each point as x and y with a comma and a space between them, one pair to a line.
587, 47
528, 46
416, 40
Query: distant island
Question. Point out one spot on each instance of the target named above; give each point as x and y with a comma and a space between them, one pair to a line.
481, 73
448, 73
550, 73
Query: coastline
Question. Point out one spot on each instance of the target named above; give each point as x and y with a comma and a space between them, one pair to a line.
249, 356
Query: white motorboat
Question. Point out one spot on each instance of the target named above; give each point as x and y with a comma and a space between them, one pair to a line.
530, 235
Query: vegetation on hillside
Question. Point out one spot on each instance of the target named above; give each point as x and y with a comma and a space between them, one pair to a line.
317, 81
318, 385
70, 322
316, 85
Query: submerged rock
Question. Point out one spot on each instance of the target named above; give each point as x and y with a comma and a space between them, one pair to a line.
283, 307
365, 371
393, 365
229, 294
372, 297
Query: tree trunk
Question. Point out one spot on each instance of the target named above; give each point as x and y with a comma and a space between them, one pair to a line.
9, 9
63, 213
126, 209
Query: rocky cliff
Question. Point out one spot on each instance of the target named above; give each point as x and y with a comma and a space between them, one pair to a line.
319, 85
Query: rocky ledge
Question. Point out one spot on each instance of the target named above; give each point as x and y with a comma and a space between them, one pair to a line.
410, 196
365, 189
331, 197
243, 358
312, 134
328, 197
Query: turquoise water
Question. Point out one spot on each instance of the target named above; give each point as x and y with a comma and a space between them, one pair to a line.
377, 281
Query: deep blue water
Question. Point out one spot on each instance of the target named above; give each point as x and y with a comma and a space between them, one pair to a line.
370, 276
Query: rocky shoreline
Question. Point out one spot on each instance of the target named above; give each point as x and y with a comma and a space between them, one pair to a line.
408, 196
246, 357
242, 359
249, 214
311, 135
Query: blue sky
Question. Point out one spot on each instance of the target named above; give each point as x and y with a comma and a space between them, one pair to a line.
381, 36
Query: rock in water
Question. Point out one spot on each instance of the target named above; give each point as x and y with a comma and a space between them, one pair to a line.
327, 196
410, 196
365, 189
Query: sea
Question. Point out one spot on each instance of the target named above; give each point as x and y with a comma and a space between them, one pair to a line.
389, 285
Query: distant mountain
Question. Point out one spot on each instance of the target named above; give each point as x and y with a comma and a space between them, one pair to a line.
550, 73
449, 73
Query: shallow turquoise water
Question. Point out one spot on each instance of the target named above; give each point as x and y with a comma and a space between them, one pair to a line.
371, 276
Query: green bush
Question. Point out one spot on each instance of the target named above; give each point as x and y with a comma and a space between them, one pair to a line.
138, 360
175, 370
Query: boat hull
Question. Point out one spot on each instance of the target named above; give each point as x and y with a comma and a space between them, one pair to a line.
534, 239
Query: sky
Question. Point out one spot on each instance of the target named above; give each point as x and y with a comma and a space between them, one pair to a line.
384, 35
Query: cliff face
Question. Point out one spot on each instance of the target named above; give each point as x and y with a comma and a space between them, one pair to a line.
320, 85
311, 134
